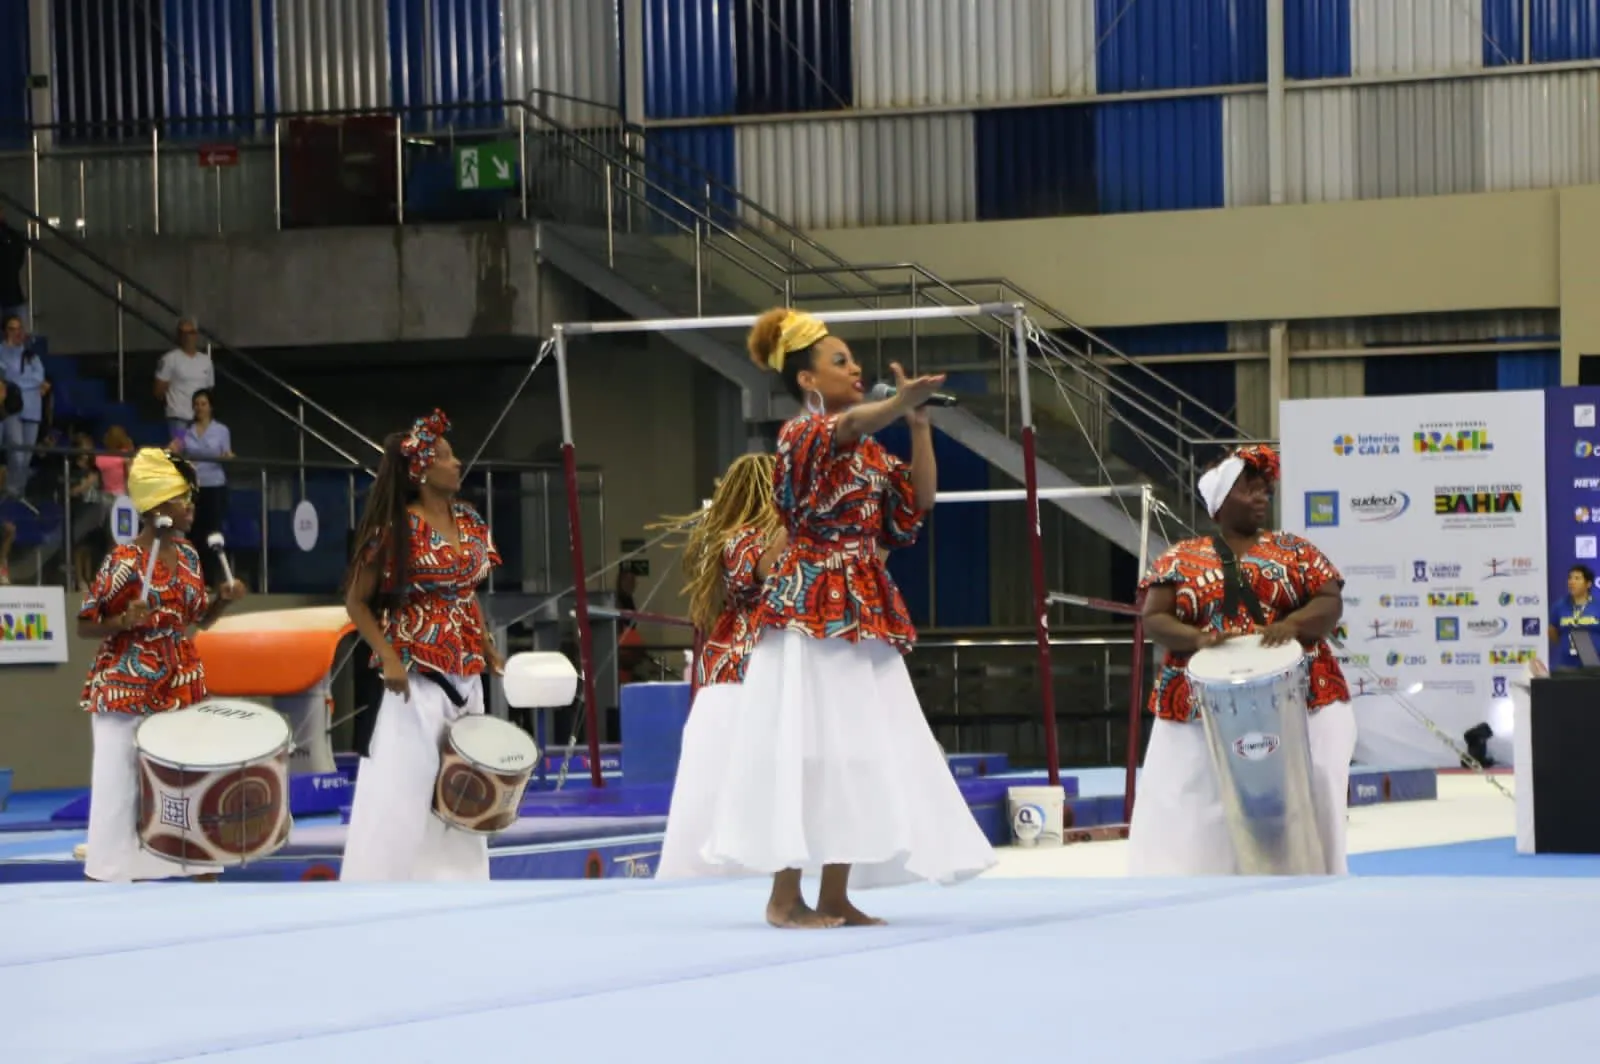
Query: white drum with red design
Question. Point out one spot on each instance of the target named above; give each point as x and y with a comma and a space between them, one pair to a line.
214, 782
484, 767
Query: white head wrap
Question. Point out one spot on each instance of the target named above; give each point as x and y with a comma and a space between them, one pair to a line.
1215, 483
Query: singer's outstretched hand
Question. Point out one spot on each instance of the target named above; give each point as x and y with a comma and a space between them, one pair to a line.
914, 391
233, 591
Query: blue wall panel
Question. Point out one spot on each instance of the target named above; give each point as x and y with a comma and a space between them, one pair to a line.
793, 55
107, 71
210, 65
1146, 434
408, 60
1563, 30
1521, 370
688, 59
16, 104
681, 160
467, 62
1502, 32
1179, 44
1159, 155
1035, 162
1316, 38
1425, 374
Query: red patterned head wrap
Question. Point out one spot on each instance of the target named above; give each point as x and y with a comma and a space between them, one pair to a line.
421, 444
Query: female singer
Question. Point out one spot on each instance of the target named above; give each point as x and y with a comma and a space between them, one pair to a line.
832, 763
412, 592
732, 546
146, 662
1178, 827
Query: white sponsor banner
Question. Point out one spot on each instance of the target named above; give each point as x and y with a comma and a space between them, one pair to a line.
1433, 508
33, 625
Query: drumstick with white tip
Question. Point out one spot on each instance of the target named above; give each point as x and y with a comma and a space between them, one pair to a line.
220, 545
162, 523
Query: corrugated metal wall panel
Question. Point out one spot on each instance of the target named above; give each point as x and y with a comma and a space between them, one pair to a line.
16, 54
1035, 162
566, 47
1398, 329
332, 56
1528, 369
1179, 44
210, 46
1422, 139
1327, 378
109, 69
1316, 39
1426, 374
689, 59
1502, 32
1415, 36
858, 172
1253, 383
1245, 177
1319, 149
918, 170
792, 56
680, 158
1564, 30
807, 173
1540, 130
466, 61
917, 53
1159, 155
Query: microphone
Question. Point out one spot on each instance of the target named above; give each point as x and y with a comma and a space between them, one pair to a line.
162, 523
884, 390
220, 546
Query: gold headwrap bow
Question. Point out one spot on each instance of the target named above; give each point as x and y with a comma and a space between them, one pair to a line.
153, 479
800, 331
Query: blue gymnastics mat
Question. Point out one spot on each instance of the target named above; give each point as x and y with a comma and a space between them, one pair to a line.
1117, 971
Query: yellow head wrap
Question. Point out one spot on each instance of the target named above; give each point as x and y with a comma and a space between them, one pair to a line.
800, 331
153, 480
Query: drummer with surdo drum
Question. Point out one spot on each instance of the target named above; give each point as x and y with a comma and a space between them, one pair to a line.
1244, 579
147, 663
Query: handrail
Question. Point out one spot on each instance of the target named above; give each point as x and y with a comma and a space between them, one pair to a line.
129, 282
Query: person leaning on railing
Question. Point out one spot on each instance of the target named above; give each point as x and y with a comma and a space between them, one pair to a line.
23, 386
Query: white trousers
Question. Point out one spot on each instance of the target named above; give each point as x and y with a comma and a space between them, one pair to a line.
114, 853
1179, 828
394, 835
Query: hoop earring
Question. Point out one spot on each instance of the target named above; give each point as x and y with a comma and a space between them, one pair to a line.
818, 408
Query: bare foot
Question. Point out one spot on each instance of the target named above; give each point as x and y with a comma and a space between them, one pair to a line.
849, 915
799, 916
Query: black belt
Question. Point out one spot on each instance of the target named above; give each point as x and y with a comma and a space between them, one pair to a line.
1235, 591
456, 698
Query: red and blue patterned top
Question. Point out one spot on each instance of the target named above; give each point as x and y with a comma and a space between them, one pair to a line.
155, 667
438, 625
1284, 570
728, 644
839, 502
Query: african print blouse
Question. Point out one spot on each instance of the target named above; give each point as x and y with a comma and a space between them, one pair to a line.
1285, 571
839, 502
155, 667
728, 644
438, 624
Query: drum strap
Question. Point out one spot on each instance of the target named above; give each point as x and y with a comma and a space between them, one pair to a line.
1236, 591
456, 698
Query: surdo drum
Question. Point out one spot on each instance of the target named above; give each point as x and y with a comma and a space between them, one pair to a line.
214, 782
1252, 704
484, 767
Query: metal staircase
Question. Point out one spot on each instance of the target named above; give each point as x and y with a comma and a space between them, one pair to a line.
657, 236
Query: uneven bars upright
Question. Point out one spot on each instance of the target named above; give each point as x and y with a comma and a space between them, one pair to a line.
569, 468
1136, 662
1041, 607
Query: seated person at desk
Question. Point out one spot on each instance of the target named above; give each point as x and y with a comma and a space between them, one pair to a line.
1578, 609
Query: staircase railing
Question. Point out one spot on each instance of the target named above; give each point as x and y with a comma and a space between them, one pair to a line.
119, 289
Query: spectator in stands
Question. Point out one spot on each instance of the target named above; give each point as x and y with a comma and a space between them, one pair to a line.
181, 372
24, 388
203, 442
113, 467
90, 506
13, 260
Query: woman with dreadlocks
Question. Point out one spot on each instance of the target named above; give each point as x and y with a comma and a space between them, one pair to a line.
412, 591
732, 545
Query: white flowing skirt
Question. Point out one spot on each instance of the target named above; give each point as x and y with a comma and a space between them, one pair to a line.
702, 760
394, 835
113, 851
1179, 828
829, 760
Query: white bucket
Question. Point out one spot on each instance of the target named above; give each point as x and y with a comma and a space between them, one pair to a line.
1036, 814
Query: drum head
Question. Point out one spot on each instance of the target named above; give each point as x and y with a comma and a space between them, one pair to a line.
213, 734
1242, 659
494, 744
